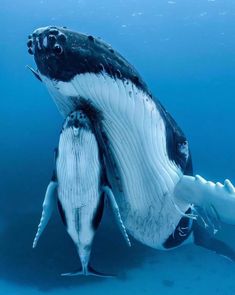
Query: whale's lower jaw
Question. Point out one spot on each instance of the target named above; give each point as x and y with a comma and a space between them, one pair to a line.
137, 139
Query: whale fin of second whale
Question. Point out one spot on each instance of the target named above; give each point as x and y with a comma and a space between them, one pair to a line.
116, 212
47, 209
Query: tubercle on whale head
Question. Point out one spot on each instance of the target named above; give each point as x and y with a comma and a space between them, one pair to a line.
61, 54
48, 45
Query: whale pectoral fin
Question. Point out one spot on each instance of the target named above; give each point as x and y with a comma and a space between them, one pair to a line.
47, 209
116, 212
216, 200
36, 74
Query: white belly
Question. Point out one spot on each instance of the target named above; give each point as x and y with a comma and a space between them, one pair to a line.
78, 175
136, 133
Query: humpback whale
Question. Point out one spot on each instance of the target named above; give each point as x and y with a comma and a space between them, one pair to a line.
147, 156
79, 187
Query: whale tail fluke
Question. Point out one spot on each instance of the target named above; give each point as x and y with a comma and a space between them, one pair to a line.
89, 271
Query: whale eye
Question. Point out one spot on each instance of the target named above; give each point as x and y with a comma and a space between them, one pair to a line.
57, 49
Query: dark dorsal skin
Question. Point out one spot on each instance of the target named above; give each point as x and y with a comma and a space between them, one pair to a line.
69, 53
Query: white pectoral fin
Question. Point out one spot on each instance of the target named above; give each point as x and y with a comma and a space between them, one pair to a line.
47, 209
116, 212
215, 197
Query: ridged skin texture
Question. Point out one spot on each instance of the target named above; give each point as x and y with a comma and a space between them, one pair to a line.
137, 139
149, 151
78, 174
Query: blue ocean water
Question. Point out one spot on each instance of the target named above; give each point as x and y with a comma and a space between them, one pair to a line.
184, 50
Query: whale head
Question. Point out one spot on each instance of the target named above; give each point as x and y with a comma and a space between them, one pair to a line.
77, 67
60, 54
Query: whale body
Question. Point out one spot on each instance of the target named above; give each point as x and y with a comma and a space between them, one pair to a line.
147, 156
79, 188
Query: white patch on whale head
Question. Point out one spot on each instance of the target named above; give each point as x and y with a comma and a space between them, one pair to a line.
75, 131
45, 41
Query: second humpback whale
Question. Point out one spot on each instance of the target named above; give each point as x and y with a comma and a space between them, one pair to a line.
147, 156
79, 187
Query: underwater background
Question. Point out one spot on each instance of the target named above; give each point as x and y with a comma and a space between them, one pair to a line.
185, 51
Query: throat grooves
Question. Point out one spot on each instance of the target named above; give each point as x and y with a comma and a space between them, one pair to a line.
137, 136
